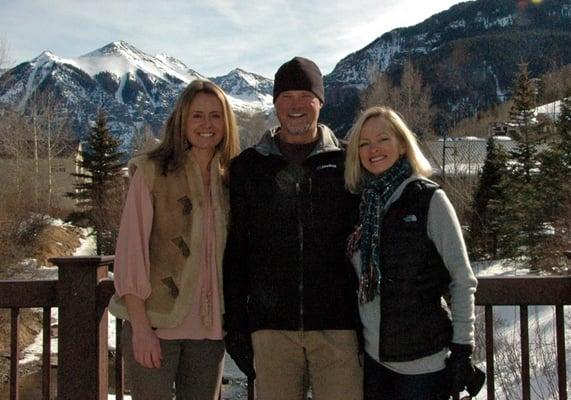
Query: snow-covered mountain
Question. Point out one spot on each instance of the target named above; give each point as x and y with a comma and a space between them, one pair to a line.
133, 87
468, 55
247, 88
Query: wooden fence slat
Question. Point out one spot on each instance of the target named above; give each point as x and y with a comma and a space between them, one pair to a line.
489, 315
46, 352
14, 353
561, 362
524, 337
119, 374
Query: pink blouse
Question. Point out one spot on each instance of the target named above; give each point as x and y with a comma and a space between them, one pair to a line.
132, 264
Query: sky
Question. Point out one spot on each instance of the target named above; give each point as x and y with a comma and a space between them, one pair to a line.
210, 36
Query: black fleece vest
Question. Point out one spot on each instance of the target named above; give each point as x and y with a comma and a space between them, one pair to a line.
413, 325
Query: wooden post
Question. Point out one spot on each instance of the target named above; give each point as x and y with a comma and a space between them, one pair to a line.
82, 342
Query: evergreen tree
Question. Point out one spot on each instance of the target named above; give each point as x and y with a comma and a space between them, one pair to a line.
488, 201
522, 116
97, 191
555, 188
564, 132
522, 222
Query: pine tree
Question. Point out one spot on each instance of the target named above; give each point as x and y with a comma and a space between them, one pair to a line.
564, 132
488, 202
522, 116
522, 222
555, 189
98, 183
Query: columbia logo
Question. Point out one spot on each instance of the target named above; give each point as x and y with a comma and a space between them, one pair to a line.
410, 218
326, 166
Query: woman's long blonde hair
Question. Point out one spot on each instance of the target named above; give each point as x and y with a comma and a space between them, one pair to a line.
353, 166
170, 152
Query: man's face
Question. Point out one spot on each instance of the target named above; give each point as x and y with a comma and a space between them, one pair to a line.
298, 111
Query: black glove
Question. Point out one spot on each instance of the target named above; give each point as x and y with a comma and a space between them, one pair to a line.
432, 282
462, 374
239, 346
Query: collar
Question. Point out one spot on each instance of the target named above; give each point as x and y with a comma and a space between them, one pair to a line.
327, 142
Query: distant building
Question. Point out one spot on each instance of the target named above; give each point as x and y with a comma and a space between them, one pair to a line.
502, 129
545, 116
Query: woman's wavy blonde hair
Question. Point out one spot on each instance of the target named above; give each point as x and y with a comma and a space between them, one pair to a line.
170, 153
353, 166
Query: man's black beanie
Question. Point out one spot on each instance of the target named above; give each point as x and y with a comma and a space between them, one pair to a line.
299, 74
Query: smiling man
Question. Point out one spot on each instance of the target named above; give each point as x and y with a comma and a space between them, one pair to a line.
289, 291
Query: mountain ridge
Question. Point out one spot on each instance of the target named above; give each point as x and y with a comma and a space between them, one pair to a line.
132, 87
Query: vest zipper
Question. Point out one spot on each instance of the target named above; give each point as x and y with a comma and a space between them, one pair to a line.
300, 258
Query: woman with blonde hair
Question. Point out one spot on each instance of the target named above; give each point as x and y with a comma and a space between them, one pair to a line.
169, 252
407, 250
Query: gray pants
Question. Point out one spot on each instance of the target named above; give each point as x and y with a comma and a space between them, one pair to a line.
194, 367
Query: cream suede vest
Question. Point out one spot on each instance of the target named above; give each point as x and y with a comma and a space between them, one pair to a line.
176, 237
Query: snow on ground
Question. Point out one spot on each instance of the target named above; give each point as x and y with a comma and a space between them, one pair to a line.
87, 247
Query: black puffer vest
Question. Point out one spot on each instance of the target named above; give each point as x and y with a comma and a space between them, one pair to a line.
412, 324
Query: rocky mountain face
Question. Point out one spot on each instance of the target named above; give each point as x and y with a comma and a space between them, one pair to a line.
134, 88
468, 56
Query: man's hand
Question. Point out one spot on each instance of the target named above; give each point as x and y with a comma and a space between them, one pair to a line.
239, 346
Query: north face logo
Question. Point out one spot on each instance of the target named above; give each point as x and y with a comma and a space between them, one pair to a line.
410, 218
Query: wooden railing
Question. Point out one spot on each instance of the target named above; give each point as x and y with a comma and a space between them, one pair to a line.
83, 290
524, 292
81, 295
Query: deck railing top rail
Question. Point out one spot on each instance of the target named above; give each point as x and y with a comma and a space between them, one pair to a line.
524, 290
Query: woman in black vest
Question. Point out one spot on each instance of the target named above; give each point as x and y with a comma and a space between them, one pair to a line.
408, 251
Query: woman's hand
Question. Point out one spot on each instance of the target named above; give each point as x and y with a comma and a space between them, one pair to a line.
146, 344
146, 347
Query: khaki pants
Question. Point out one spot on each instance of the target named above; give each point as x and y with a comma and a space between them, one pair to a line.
193, 366
331, 356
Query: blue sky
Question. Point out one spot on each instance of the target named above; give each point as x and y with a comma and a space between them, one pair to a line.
210, 36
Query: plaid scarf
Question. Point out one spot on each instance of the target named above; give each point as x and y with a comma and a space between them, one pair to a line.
376, 191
